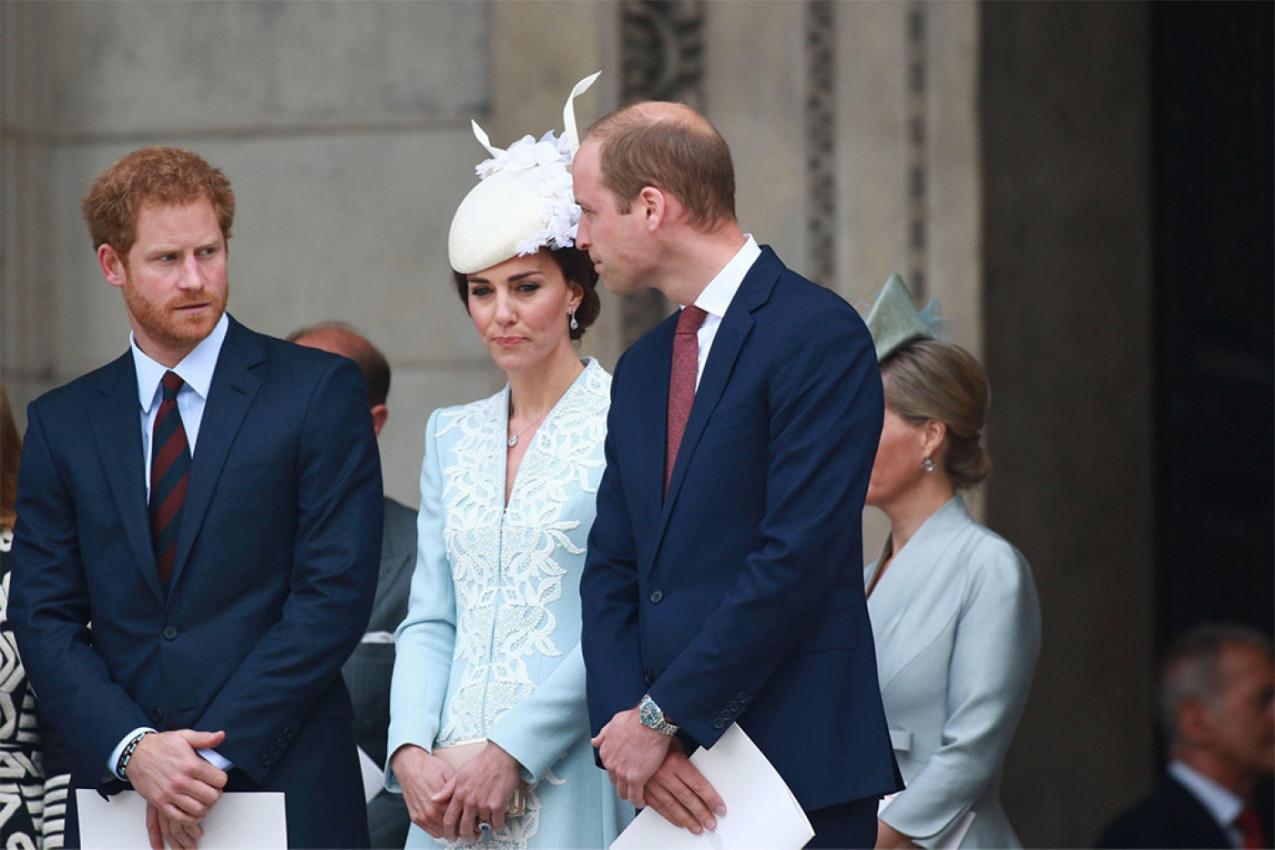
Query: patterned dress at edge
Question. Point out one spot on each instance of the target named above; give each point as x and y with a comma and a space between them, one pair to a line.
31, 809
491, 644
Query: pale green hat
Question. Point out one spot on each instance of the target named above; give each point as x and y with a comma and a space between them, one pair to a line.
894, 320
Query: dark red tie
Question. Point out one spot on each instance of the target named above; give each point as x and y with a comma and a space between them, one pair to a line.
681, 386
170, 471
1250, 826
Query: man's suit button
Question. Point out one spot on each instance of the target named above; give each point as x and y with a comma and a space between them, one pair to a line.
718, 723
656, 596
648, 675
734, 706
157, 717
170, 632
740, 696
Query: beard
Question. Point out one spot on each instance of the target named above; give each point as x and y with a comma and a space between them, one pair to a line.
163, 323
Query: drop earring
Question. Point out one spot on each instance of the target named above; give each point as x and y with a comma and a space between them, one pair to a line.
575, 326
927, 465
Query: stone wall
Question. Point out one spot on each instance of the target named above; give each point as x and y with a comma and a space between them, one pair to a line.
344, 128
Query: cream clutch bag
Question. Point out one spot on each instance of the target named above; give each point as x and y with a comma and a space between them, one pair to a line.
454, 755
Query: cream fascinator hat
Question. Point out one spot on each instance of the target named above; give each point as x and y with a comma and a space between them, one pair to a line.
894, 320
524, 200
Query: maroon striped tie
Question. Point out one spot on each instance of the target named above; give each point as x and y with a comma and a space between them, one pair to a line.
681, 386
170, 471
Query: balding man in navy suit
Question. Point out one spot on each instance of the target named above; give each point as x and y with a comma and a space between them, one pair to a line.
723, 581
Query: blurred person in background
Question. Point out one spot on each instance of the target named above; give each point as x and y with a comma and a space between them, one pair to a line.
367, 673
953, 605
1217, 706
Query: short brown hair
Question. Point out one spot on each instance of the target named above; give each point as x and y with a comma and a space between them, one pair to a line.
576, 268
152, 175
673, 148
929, 379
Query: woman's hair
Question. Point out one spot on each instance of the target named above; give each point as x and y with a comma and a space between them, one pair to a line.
10, 456
576, 268
929, 379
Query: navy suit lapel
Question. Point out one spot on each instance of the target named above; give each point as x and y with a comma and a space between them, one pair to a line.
729, 340
233, 388
117, 425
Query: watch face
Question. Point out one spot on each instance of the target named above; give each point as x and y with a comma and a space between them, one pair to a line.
649, 714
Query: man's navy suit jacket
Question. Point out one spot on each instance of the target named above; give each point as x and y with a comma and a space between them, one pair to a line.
274, 577
1171, 816
739, 595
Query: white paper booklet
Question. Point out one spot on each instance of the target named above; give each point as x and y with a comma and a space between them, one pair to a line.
760, 810
239, 821
373, 776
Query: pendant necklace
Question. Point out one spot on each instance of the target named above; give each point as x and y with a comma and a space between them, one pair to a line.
513, 441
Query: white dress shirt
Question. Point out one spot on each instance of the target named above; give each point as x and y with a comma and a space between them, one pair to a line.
1222, 803
716, 297
196, 370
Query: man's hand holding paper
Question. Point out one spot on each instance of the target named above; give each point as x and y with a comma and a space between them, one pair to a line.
681, 794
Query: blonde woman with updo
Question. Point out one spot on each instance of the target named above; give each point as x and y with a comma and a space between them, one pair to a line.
953, 606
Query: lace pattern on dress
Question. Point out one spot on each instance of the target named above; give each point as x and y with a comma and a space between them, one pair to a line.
504, 565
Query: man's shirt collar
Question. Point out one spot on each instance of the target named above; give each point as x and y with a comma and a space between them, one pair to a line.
716, 297
1223, 804
196, 368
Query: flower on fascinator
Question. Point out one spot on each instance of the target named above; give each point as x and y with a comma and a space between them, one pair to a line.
549, 157
527, 153
524, 199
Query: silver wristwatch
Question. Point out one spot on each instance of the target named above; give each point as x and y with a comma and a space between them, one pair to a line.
652, 717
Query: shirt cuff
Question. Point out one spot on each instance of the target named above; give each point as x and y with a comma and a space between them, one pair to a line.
113, 762
216, 759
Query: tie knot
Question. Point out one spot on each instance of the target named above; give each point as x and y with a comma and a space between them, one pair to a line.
690, 319
171, 382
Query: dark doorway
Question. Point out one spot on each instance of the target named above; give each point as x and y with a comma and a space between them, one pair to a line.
1214, 323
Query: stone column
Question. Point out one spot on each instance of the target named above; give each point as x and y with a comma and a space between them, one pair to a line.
1066, 134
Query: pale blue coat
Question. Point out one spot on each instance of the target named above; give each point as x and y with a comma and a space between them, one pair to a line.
957, 627
491, 644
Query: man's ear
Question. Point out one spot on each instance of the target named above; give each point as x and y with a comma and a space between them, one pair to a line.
652, 204
111, 264
1195, 721
379, 414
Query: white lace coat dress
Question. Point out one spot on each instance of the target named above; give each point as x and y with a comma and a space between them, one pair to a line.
491, 644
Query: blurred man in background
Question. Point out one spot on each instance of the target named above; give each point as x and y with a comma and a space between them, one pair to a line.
367, 673
1217, 703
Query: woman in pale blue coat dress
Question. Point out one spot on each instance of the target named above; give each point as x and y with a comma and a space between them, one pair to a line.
490, 648
954, 611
